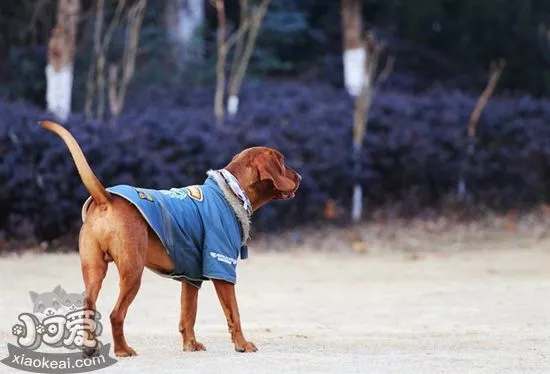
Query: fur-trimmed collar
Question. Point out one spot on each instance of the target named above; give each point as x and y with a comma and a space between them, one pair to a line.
235, 203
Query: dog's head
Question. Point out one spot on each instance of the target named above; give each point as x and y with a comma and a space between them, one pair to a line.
262, 173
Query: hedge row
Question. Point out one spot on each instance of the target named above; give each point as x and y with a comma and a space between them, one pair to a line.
413, 151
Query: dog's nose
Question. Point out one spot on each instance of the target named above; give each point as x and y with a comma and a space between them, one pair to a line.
294, 174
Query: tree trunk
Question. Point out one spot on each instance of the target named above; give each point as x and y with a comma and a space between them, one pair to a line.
363, 103
496, 71
357, 197
233, 101
221, 44
354, 59
243, 55
354, 55
61, 50
184, 20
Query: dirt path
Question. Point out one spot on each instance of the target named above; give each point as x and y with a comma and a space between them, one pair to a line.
473, 312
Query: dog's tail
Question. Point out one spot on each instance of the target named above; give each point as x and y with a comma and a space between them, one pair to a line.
92, 184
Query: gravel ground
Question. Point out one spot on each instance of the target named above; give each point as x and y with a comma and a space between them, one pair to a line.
317, 312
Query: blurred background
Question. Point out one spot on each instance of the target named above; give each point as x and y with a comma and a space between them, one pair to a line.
432, 111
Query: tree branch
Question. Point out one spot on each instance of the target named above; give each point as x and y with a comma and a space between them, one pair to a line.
495, 72
243, 18
118, 89
257, 17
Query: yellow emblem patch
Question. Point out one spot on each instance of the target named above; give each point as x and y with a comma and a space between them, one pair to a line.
194, 192
144, 195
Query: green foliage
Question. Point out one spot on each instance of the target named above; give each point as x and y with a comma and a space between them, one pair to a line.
286, 38
27, 78
471, 33
434, 40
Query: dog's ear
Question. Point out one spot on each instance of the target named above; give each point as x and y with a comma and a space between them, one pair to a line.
271, 167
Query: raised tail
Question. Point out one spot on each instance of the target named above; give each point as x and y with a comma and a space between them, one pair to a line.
92, 184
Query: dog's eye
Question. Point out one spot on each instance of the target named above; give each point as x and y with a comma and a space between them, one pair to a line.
55, 304
79, 302
67, 302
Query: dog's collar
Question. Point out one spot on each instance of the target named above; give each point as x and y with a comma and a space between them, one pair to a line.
236, 197
237, 190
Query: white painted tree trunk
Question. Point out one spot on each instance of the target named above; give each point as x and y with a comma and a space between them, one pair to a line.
356, 82
184, 19
59, 85
233, 105
354, 70
61, 49
354, 54
357, 203
462, 188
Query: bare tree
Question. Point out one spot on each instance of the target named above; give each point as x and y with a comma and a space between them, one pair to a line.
243, 51
242, 54
96, 72
354, 55
184, 20
61, 50
221, 44
118, 86
95, 86
494, 75
239, 45
373, 49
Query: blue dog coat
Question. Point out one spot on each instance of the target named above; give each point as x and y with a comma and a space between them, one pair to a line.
196, 225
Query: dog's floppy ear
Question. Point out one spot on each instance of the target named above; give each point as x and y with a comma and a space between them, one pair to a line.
271, 168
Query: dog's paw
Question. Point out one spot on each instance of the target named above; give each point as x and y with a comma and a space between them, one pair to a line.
125, 352
193, 346
247, 347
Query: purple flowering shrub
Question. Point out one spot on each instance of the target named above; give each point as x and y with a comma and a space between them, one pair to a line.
414, 149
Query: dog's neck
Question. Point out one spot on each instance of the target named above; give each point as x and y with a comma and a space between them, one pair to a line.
236, 197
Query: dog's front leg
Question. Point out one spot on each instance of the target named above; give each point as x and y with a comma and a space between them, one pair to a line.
228, 300
189, 296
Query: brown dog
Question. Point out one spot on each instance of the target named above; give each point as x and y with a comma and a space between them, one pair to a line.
115, 230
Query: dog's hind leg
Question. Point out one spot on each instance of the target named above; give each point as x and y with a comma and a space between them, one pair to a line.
129, 251
94, 268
